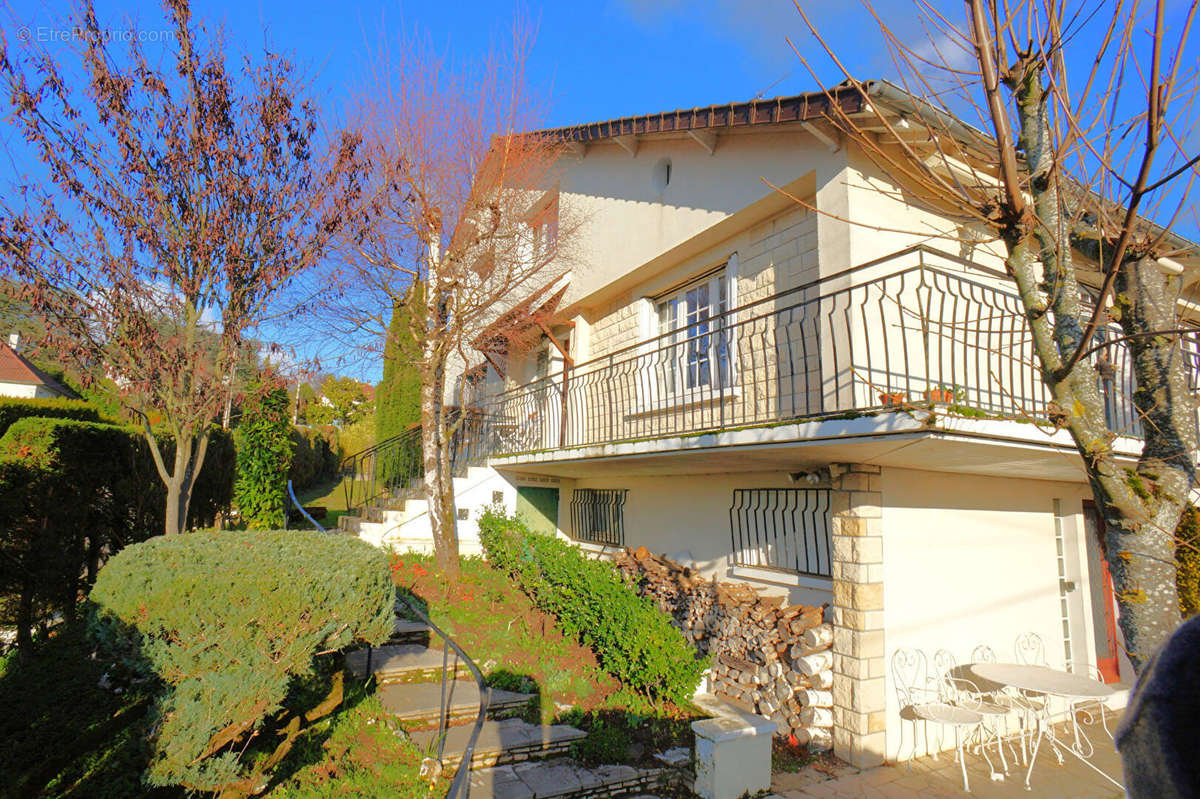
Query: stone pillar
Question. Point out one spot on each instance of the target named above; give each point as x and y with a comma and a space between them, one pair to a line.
859, 690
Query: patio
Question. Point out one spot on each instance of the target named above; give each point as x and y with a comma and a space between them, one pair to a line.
941, 778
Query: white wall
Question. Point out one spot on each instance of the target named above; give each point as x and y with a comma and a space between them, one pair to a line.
23, 390
627, 221
675, 513
972, 560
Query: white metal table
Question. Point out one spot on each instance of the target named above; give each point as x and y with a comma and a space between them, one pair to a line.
1050, 682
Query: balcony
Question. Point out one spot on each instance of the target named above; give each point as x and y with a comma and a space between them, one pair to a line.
914, 330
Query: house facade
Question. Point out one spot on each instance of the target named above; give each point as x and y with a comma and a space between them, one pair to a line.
20, 378
776, 365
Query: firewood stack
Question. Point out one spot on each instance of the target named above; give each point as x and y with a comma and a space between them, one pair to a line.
776, 659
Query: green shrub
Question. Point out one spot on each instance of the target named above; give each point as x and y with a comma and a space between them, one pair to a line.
1187, 561
632, 638
74, 492
264, 453
225, 621
314, 458
12, 409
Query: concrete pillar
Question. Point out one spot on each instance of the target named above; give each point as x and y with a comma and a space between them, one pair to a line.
859, 690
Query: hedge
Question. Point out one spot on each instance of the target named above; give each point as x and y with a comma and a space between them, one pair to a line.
72, 493
224, 621
12, 409
314, 457
632, 638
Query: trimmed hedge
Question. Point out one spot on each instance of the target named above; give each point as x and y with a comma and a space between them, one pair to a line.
224, 621
632, 638
73, 493
315, 458
12, 409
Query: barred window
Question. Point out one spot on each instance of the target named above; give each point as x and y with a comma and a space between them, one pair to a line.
598, 515
786, 529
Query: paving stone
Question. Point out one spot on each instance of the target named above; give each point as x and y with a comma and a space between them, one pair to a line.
422, 700
546, 780
503, 739
396, 660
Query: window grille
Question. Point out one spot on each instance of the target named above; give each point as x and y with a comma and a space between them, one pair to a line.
786, 529
598, 515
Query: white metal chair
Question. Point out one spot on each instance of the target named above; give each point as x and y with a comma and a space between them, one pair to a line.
968, 693
1029, 650
929, 699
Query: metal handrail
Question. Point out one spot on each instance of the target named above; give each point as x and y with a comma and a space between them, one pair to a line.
396, 463
292, 495
461, 782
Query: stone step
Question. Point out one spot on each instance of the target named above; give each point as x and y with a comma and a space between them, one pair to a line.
562, 778
507, 741
404, 663
420, 702
410, 632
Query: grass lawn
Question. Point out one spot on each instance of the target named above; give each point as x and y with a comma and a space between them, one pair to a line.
518, 647
331, 496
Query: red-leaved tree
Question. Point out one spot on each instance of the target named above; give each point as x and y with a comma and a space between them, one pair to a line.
169, 201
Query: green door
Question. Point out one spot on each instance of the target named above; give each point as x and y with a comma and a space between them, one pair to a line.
537, 506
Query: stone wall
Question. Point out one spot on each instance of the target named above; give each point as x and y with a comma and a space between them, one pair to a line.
774, 659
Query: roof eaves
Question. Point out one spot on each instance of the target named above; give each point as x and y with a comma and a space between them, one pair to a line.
797, 108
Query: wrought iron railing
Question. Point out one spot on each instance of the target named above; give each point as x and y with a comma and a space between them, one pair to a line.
395, 467
782, 529
916, 327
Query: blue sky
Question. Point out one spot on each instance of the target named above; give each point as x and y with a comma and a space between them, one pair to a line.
595, 61
599, 60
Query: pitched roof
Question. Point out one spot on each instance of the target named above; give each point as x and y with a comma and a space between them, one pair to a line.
796, 108
14, 368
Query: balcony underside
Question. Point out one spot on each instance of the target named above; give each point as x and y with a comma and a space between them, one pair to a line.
905, 439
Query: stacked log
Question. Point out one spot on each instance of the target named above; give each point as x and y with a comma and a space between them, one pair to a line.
773, 658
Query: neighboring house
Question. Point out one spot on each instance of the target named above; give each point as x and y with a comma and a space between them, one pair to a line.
813, 401
20, 378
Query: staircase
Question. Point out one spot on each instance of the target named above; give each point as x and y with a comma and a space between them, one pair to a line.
512, 758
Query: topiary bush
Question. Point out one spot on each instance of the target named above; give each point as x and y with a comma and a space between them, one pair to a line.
264, 454
12, 409
632, 638
224, 621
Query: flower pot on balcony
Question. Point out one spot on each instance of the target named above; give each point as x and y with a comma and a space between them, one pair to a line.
893, 398
940, 395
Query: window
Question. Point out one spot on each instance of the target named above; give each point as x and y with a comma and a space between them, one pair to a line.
696, 354
598, 515
782, 528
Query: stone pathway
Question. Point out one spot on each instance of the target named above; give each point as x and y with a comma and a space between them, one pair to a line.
561, 777
512, 758
941, 778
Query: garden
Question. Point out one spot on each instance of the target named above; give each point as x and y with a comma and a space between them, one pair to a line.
213, 661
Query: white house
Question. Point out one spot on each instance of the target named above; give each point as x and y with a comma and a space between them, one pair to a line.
20, 378
807, 392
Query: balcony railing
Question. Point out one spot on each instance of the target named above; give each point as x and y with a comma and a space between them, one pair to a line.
916, 327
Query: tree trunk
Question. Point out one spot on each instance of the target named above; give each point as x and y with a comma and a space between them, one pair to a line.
439, 479
1141, 507
25, 616
189, 458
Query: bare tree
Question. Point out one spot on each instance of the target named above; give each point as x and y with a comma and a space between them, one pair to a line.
463, 203
171, 206
1080, 173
